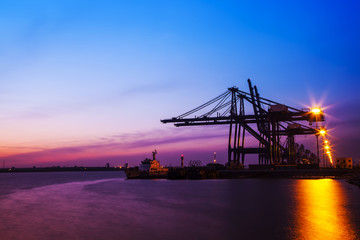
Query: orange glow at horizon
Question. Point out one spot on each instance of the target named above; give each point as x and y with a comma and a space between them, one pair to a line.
107, 147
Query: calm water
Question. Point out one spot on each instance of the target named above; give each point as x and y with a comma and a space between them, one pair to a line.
104, 205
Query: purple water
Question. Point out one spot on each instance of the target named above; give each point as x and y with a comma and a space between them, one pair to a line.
104, 205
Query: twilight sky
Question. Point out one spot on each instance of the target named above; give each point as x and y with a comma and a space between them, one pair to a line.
87, 82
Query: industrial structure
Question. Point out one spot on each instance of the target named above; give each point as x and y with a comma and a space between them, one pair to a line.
344, 163
273, 125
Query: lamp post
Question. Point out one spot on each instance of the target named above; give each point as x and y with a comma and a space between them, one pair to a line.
325, 144
327, 149
322, 133
329, 156
323, 157
316, 112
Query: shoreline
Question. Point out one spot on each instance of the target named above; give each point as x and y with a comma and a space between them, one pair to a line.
352, 176
59, 169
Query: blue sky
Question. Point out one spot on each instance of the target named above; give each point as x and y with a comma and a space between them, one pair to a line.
74, 73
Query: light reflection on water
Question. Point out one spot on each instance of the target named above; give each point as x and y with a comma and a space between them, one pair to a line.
104, 205
321, 211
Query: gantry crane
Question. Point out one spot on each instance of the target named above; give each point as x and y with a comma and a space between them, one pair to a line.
266, 120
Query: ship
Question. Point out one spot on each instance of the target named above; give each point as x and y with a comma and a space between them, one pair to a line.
148, 169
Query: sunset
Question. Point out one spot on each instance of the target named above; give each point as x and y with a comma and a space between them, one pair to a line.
234, 91
76, 74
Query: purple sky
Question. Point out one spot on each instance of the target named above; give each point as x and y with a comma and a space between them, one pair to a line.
87, 82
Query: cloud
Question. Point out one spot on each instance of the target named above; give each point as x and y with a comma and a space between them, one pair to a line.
122, 145
195, 142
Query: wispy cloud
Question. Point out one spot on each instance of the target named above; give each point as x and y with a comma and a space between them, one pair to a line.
121, 145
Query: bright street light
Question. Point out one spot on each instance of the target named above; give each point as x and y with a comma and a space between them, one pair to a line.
322, 132
316, 111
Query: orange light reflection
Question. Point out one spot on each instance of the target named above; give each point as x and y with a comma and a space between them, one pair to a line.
320, 211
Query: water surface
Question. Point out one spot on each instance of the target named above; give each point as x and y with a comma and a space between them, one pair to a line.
104, 205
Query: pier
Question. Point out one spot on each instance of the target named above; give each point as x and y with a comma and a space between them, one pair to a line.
208, 173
